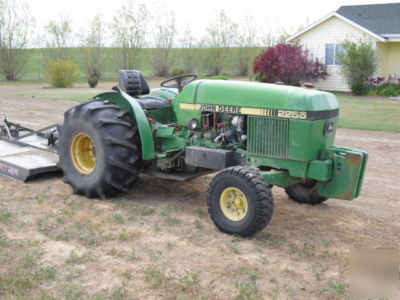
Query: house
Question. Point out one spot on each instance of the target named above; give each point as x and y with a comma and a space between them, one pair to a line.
378, 23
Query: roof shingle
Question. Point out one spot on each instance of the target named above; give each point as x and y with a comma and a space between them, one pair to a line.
378, 18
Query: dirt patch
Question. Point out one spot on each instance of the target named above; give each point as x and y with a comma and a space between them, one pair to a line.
158, 241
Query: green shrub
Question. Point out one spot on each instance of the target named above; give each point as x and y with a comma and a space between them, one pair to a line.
359, 88
389, 90
93, 81
359, 62
62, 73
179, 71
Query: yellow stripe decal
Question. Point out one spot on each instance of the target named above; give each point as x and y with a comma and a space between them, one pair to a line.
189, 106
252, 111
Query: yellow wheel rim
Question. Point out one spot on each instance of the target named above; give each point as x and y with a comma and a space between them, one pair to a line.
234, 204
83, 153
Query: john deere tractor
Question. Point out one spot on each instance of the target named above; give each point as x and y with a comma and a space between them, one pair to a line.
257, 135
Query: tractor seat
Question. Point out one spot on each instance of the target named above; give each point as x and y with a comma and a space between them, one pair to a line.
135, 85
149, 102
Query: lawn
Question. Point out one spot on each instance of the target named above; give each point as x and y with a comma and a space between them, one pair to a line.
369, 113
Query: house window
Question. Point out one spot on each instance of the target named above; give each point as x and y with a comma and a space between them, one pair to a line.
332, 53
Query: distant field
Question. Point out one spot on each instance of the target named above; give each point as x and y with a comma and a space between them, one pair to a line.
35, 70
69, 94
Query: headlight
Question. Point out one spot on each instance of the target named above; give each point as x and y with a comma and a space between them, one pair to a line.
330, 125
235, 121
192, 124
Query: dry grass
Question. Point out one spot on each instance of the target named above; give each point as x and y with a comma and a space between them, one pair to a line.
158, 243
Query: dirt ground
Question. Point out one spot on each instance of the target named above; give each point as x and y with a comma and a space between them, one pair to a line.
157, 242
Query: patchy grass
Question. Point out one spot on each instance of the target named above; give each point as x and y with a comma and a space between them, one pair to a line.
172, 221
158, 242
5, 215
75, 258
248, 288
21, 269
119, 219
174, 286
369, 113
142, 211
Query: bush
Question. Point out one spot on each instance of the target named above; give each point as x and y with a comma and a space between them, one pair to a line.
390, 91
382, 87
358, 62
359, 88
62, 73
179, 71
290, 64
93, 81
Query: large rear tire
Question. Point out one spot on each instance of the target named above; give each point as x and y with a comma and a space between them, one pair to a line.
305, 192
99, 149
239, 201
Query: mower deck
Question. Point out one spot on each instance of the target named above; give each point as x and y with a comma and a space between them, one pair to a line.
23, 157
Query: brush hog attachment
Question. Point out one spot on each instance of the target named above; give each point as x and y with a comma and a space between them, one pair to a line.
25, 156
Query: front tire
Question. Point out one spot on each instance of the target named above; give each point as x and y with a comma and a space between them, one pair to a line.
239, 201
99, 149
305, 192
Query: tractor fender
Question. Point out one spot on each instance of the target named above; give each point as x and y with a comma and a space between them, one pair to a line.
124, 101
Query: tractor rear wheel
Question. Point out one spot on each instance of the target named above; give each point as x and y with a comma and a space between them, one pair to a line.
305, 192
239, 201
99, 149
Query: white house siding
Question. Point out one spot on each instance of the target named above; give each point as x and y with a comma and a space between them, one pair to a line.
331, 31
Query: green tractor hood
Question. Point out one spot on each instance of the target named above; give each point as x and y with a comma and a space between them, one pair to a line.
257, 95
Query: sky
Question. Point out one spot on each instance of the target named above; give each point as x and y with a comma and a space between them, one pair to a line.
271, 15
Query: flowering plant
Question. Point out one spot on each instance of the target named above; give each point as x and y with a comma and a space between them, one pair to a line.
388, 87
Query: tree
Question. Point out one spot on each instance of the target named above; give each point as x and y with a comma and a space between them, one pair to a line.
220, 36
163, 35
246, 42
359, 62
15, 27
92, 43
58, 38
290, 64
269, 39
188, 51
129, 28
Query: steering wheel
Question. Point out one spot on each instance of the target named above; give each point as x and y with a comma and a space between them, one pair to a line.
179, 81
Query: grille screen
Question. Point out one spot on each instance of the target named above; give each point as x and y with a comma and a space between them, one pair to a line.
267, 136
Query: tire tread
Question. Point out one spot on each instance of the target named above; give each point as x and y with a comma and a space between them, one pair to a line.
264, 200
120, 142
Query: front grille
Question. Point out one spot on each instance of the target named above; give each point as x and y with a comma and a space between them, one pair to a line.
267, 136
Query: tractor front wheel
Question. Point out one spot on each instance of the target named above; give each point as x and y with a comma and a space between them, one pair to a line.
305, 192
239, 201
99, 149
